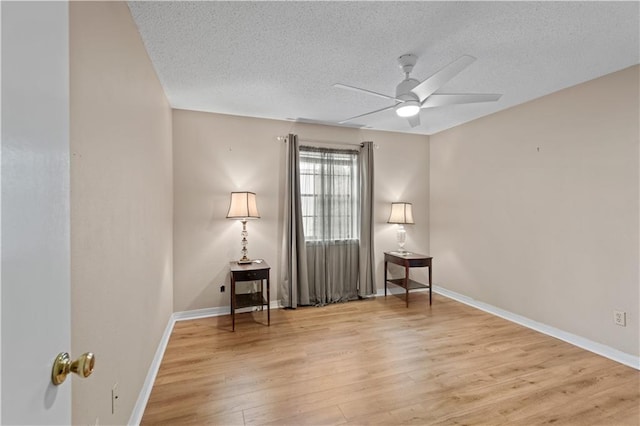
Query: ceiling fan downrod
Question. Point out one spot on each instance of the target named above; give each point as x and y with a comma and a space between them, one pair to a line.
411, 104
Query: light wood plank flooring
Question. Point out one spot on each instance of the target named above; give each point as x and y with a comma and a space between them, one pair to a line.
377, 362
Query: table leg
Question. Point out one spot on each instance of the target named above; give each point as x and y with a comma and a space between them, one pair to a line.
406, 283
430, 285
385, 278
269, 303
233, 304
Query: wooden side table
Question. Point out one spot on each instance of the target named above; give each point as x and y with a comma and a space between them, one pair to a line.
255, 271
408, 260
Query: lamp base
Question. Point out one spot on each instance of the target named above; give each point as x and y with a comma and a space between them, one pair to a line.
244, 261
401, 237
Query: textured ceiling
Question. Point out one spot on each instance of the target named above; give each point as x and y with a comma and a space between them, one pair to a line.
280, 59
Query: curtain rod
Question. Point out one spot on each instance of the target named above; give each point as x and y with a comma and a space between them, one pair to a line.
284, 139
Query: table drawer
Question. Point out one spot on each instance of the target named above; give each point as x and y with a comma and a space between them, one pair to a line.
411, 260
417, 263
251, 275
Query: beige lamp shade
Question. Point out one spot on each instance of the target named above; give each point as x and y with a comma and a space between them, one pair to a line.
243, 206
401, 213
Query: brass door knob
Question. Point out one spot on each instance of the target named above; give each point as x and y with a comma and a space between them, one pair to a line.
62, 366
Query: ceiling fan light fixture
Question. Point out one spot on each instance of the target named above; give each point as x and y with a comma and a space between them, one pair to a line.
408, 108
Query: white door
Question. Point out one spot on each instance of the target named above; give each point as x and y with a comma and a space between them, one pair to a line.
35, 308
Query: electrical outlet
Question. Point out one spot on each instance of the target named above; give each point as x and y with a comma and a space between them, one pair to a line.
620, 318
115, 398
222, 289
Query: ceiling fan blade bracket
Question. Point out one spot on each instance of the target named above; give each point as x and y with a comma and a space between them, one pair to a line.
437, 80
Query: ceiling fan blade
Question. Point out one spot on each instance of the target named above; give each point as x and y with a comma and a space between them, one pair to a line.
414, 121
437, 80
437, 99
369, 92
367, 113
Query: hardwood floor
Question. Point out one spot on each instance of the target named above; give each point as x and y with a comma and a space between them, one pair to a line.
378, 362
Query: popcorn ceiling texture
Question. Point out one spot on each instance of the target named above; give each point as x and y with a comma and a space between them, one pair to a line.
280, 59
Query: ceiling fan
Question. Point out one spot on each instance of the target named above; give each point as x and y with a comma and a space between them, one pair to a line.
412, 95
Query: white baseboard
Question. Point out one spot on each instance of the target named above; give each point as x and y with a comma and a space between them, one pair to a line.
216, 312
145, 392
201, 313
581, 342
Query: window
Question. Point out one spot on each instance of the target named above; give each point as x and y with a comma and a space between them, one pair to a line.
329, 194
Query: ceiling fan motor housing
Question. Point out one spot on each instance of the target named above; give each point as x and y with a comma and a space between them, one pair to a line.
404, 90
410, 103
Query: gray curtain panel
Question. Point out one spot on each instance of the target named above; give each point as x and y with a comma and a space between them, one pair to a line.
328, 231
367, 281
295, 285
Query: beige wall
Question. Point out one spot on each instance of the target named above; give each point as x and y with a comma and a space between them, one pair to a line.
535, 209
215, 154
121, 208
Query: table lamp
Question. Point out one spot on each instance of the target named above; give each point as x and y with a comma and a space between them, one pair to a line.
401, 214
243, 206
